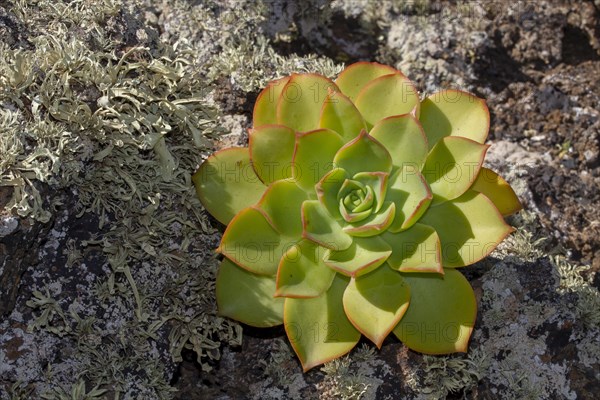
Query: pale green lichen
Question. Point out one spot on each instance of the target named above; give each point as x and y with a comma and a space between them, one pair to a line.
342, 380
51, 316
511, 314
358, 375
275, 369
452, 374
587, 308
527, 243
78, 392
121, 127
250, 62
20, 391
122, 131
439, 376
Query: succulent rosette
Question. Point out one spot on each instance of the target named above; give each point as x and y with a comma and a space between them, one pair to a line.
352, 210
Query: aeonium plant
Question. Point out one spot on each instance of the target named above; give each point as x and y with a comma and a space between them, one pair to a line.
352, 210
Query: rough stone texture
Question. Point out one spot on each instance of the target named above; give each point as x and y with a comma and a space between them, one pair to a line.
70, 319
41, 331
18, 250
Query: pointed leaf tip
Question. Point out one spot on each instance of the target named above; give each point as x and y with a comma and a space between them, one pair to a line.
469, 228
318, 328
452, 166
363, 154
374, 303
498, 191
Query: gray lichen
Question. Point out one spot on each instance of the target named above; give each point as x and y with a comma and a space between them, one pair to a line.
119, 131
102, 122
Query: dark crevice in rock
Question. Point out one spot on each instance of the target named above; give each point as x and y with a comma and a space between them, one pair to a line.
576, 47
12, 31
264, 333
313, 29
496, 68
298, 45
348, 38
232, 100
18, 251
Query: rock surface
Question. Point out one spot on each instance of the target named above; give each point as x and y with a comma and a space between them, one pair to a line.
106, 264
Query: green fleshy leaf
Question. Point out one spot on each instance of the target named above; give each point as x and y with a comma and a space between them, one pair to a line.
321, 228
417, 249
404, 138
365, 255
252, 243
387, 96
313, 156
374, 224
318, 328
440, 323
363, 200
454, 113
378, 181
226, 183
469, 227
327, 190
353, 216
374, 303
411, 194
302, 272
355, 200
282, 203
356, 76
301, 101
349, 186
247, 297
339, 114
363, 154
452, 166
271, 150
265, 108
498, 191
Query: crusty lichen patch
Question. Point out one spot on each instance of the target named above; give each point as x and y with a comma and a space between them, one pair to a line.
355, 376
525, 307
112, 132
103, 119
